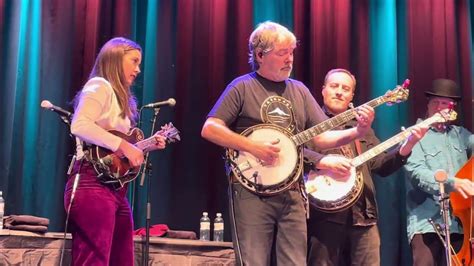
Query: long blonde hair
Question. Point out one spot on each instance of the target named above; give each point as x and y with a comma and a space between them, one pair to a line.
109, 65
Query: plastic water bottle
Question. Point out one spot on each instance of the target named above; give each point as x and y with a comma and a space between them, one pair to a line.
219, 228
2, 210
205, 227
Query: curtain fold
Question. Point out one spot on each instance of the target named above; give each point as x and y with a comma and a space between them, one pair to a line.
384, 55
281, 11
332, 34
439, 47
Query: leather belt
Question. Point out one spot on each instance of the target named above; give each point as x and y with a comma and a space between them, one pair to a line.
294, 186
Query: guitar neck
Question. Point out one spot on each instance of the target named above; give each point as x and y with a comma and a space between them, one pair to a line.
332, 123
366, 156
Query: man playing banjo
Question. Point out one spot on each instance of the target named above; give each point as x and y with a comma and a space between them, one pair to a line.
267, 96
351, 233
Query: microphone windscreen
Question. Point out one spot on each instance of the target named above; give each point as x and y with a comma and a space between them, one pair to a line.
46, 104
441, 175
172, 102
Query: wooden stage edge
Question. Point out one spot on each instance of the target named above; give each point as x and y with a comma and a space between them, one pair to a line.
26, 248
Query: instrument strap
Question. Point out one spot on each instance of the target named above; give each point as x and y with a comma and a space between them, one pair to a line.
347, 151
358, 147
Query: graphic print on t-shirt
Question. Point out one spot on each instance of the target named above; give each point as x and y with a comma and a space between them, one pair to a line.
278, 111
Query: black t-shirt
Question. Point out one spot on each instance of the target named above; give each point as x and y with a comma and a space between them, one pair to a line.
251, 100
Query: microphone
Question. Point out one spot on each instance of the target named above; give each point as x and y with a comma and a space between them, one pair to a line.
170, 102
48, 105
441, 176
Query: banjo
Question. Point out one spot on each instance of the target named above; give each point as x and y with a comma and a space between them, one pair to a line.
331, 192
269, 180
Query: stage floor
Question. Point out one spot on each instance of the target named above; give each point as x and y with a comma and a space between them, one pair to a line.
25, 248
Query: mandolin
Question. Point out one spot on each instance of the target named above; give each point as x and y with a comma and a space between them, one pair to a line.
114, 168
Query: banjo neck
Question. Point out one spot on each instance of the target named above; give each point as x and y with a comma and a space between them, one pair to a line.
366, 156
333, 122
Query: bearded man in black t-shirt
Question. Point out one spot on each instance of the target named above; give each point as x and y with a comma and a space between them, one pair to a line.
259, 223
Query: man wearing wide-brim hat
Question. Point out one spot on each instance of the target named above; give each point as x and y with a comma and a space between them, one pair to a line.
445, 147
443, 94
444, 88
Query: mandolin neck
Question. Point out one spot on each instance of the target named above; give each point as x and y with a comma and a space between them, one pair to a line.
146, 145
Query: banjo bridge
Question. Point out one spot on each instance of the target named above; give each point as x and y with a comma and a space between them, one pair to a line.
244, 166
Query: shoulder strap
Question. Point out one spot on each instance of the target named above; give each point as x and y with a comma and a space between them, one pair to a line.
358, 147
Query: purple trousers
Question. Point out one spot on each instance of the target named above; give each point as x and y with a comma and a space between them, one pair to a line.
100, 221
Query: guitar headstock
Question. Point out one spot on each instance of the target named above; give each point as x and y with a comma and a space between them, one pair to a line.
399, 94
170, 133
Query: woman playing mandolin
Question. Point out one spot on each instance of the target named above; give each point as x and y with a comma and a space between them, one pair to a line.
100, 216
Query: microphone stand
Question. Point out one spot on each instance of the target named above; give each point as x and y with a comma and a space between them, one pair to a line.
132, 185
444, 203
147, 171
67, 120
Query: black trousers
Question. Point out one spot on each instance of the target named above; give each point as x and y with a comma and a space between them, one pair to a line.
331, 244
268, 230
428, 249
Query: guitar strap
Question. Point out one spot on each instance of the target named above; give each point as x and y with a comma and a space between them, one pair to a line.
349, 152
358, 147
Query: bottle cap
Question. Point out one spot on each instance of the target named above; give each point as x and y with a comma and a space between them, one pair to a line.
218, 214
204, 213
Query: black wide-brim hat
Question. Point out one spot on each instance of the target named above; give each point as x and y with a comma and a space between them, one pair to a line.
444, 88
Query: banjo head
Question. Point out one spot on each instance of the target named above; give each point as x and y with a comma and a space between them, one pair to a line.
268, 179
330, 192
